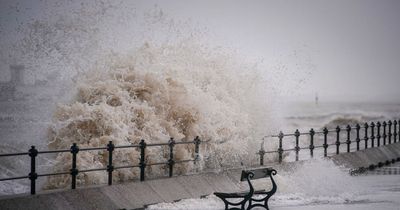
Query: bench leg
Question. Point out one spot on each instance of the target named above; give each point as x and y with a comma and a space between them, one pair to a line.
265, 206
259, 203
264, 200
235, 206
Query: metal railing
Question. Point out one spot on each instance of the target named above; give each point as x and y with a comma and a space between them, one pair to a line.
380, 134
384, 133
110, 147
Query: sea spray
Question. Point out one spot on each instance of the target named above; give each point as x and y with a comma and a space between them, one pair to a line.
158, 92
317, 181
313, 182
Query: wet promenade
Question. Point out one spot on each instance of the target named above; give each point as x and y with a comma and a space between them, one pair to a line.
379, 189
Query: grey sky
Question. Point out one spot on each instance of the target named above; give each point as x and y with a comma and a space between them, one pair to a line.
351, 47
353, 44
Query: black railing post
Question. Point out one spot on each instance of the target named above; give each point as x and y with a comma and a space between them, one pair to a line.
348, 141
366, 135
297, 148
390, 131
74, 171
171, 161
372, 134
142, 163
312, 133
384, 132
394, 131
358, 136
197, 142
398, 132
280, 149
325, 141
262, 153
110, 167
337, 139
33, 175
378, 134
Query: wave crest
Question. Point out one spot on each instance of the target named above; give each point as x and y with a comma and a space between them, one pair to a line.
171, 91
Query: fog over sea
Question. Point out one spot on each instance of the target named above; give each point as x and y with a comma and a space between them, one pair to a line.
307, 115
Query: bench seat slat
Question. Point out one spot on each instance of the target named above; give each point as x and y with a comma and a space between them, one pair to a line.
238, 194
231, 195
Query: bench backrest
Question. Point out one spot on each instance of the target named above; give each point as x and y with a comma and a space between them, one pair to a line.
258, 173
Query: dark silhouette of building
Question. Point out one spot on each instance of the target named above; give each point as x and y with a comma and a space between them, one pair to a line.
7, 89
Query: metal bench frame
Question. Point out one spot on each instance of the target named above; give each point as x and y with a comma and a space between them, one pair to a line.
248, 197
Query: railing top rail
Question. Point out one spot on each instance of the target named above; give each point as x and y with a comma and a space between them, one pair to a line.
54, 151
92, 148
14, 154
157, 144
14, 178
126, 146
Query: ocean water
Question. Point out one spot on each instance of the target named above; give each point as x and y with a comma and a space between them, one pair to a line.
307, 115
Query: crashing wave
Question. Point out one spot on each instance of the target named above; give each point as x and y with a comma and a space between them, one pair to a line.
160, 92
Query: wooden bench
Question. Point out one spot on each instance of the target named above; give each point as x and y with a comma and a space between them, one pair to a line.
249, 197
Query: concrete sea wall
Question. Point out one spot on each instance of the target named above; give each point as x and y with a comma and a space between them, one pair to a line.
367, 158
130, 195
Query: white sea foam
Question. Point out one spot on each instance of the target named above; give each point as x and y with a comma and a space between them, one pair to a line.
318, 177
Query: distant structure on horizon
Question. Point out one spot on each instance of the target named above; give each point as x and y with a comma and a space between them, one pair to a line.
316, 98
7, 89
